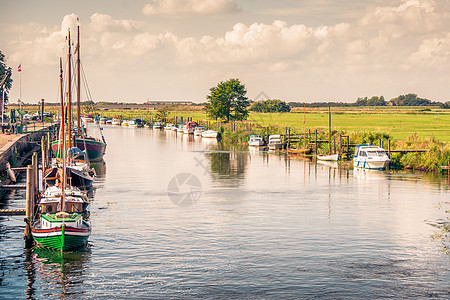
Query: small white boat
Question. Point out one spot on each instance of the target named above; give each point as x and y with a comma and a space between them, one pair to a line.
180, 128
169, 126
135, 123
332, 157
103, 120
370, 157
157, 125
275, 142
199, 130
255, 141
115, 121
210, 134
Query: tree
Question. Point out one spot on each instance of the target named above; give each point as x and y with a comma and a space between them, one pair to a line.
274, 105
227, 101
3, 71
162, 114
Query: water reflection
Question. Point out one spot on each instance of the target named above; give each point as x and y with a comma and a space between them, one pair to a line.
227, 162
60, 272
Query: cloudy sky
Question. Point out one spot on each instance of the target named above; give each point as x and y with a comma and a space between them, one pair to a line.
304, 50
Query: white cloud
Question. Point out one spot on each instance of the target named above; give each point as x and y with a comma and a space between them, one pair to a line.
176, 7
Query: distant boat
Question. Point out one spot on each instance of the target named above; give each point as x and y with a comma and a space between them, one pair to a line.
115, 121
180, 128
331, 157
211, 134
87, 119
135, 123
275, 142
169, 126
255, 141
190, 127
109, 121
370, 157
124, 123
199, 130
299, 151
157, 125
103, 120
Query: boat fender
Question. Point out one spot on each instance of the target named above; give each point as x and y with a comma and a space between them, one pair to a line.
10, 172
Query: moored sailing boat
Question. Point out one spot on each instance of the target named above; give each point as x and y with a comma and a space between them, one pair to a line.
61, 225
94, 148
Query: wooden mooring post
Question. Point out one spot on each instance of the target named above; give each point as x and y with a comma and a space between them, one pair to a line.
29, 212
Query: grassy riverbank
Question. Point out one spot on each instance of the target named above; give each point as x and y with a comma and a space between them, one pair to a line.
408, 128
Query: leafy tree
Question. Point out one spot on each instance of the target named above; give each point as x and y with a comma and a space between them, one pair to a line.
274, 105
162, 113
3, 70
89, 107
227, 101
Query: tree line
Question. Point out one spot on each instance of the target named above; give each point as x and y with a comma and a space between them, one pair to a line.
402, 100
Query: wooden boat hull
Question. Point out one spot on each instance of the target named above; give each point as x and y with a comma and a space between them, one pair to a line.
298, 151
95, 149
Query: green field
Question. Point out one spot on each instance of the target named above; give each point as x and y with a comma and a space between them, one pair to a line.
398, 122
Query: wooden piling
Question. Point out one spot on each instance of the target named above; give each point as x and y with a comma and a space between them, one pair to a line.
389, 148
29, 207
315, 141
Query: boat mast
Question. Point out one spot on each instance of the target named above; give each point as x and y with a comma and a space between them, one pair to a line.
329, 129
69, 100
78, 83
63, 183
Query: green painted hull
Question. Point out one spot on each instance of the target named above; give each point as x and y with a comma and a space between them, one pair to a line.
95, 149
62, 243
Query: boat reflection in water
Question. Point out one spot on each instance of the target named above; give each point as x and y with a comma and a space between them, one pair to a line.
60, 272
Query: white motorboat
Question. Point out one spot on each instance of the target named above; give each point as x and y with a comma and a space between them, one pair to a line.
370, 157
115, 121
157, 125
199, 130
255, 141
275, 142
169, 126
210, 134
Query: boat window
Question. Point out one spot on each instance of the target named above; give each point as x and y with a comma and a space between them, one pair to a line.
371, 153
363, 153
48, 209
381, 153
76, 208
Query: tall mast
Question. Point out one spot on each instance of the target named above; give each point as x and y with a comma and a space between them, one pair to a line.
78, 82
329, 129
63, 184
69, 100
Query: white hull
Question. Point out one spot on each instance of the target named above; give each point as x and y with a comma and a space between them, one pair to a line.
333, 157
371, 164
275, 146
256, 143
210, 134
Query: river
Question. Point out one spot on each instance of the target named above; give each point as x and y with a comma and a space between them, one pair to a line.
181, 217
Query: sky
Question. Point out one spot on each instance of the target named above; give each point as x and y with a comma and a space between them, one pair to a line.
302, 51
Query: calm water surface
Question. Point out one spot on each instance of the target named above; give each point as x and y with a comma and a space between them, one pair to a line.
181, 217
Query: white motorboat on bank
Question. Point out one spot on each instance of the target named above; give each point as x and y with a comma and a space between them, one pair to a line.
370, 157
275, 142
255, 141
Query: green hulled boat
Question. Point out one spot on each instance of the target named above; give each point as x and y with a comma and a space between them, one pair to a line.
61, 231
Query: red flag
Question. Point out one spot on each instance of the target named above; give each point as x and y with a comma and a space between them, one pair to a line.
19, 68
